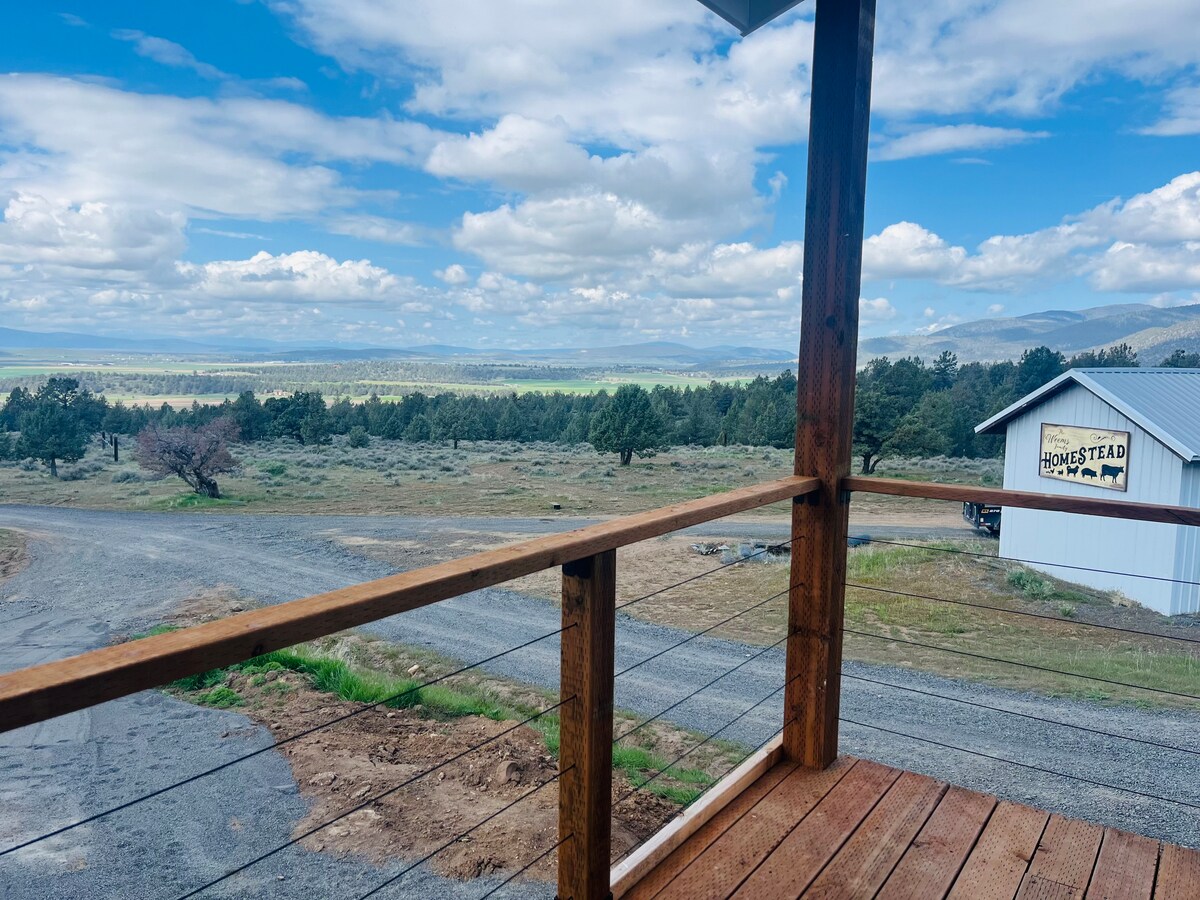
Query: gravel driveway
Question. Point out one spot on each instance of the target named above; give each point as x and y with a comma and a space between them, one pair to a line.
96, 574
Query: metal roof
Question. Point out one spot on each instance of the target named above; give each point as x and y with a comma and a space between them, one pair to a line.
1164, 402
747, 15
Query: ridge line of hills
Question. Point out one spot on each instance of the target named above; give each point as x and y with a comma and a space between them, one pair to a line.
1153, 332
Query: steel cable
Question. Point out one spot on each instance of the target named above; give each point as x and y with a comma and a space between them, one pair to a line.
697, 634
1013, 762
740, 559
370, 800
459, 837
696, 747
698, 690
1028, 562
1021, 612
1023, 665
275, 746
1011, 712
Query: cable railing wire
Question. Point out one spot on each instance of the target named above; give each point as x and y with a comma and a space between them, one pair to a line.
1011, 712
275, 746
697, 746
740, 559
1027, 562
428, 856
692, 637
1023, 665
724, 774
1022, 612
370, 800
529, 865
1030, 766
699, 690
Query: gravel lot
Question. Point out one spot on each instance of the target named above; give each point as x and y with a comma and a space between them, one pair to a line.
94, 575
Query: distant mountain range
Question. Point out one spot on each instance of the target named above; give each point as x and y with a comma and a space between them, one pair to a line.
1151, 331
660, 353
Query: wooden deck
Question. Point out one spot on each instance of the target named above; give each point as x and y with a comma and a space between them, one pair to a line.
863, 830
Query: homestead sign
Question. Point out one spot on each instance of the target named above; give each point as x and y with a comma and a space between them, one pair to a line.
1092, 456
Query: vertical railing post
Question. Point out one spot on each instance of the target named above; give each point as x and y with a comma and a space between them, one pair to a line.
589, 589
833, 231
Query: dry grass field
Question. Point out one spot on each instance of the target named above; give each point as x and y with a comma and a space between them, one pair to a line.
482, 479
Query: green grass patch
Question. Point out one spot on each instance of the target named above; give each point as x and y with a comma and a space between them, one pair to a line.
222, 697
437, 701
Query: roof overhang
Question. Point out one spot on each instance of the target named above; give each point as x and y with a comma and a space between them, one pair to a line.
999, 422
748, 15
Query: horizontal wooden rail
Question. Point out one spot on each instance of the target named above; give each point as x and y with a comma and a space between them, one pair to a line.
52, 689
1086, 506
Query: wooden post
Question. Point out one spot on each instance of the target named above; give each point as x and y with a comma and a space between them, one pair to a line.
833, 231
589, 593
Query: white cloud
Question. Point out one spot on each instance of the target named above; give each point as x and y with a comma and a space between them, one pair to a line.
87, 142
1146, 243
995, 309
873, 311
301, 277
88, 236
377, 228
906, 250
453, 274
1143, 268
1182, 114
938, 139
168, 53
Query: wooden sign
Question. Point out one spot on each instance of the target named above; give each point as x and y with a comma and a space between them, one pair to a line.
1094, 456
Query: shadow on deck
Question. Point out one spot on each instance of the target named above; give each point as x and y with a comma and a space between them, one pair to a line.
862, 830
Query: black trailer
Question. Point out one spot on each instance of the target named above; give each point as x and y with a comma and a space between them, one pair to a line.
983, 516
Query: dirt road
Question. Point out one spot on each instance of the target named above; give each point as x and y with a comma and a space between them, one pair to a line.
95, 575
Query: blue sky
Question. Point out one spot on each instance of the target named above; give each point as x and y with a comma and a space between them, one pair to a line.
543, 172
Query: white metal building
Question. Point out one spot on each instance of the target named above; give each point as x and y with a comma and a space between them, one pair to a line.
1119, 434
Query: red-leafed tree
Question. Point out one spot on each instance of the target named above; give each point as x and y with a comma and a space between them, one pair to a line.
197, 455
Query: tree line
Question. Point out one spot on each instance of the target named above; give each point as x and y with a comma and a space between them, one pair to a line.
904, 407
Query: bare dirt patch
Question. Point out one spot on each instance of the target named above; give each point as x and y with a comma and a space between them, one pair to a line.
13, 556
208, 605
364, 757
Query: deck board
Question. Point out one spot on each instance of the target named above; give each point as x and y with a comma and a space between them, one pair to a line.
861, 866
800, 856
1125, 868
930, 865
719, 869
683, 856
998, 863
1063, 864
1178, 874
863, 830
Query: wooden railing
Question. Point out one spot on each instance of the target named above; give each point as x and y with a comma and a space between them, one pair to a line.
588, 560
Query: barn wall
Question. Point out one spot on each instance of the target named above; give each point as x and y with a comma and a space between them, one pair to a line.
1186, 597
1154, 476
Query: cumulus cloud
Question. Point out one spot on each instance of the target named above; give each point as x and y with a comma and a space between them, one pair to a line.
953, 139
1145, 243
90, 142
305, 276
453, 274
89, 236
877, 310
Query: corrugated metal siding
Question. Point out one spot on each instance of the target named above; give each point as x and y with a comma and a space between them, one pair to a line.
1154, 476
1186, 597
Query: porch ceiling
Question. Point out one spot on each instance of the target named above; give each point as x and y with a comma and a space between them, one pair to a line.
747, 15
